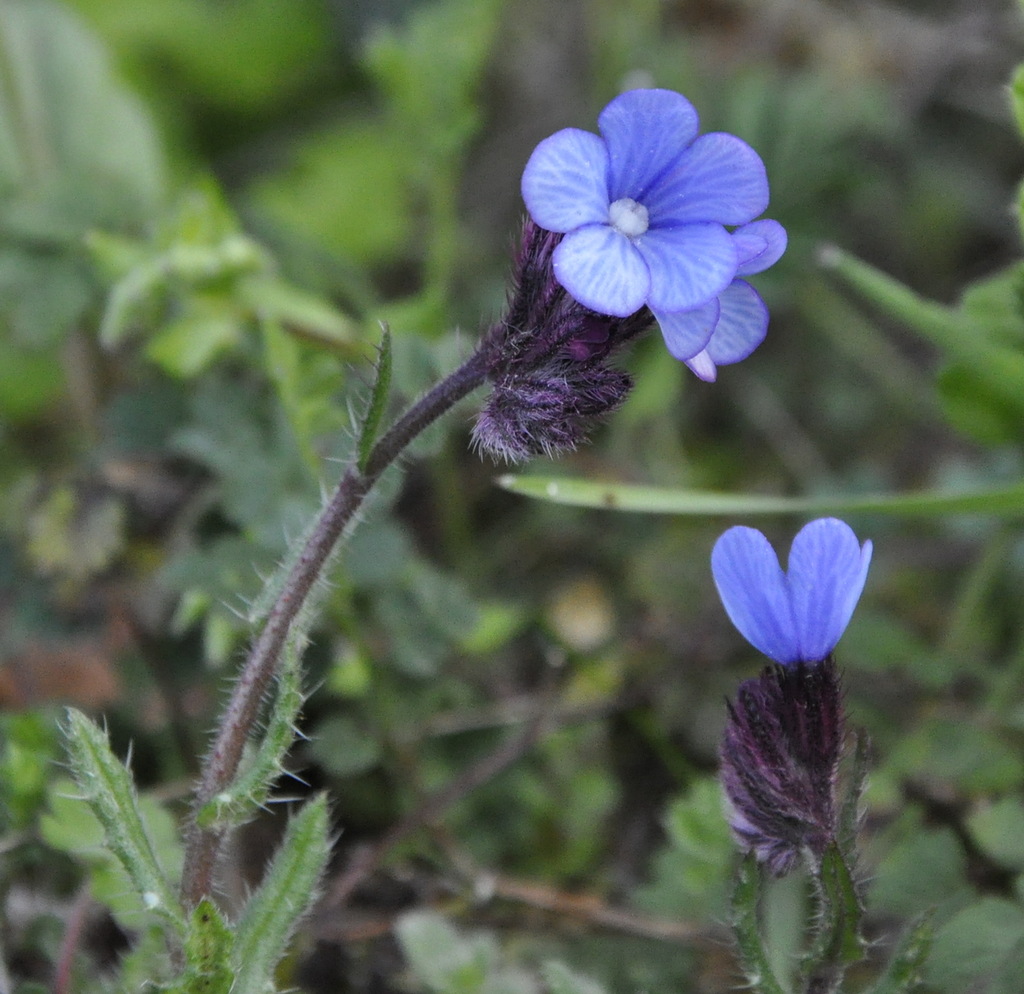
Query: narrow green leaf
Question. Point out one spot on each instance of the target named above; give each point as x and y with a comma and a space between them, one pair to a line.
935, 321
1005, 500
207, 954
746, 928
108, 787
849, 813
904, 972
837, 943
302, 313
138, 285
378, 399
286, 893
250, 789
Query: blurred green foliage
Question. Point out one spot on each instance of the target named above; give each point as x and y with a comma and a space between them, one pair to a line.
205, 210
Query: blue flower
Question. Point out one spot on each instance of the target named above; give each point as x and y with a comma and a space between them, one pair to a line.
643, 207
728, 328
797, 616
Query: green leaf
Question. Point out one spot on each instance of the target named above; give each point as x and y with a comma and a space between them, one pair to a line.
348, 188
438, 108
905, 971
1004, 500
249, 791
973, 411
995, 306
207, 954
283, 898
74, 144
850, 809
691, 874
240, 61
925, 869
77, 151
108, 787
963, 756
342, 747
186, 347
561, 980
30, 381
377, 403
27, 753
74, 537
302, 313
984, 335
1017, 97
997, 830
447, 962
837, 939
981, 941
254, 456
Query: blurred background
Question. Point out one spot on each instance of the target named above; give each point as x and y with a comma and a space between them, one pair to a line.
206, 209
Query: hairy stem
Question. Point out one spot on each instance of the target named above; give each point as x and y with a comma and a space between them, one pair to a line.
239, 717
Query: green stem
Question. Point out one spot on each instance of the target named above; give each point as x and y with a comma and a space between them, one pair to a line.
746, 928
838, 942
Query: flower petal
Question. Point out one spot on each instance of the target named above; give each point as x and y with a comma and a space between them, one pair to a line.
687, 332
827, 570
565, 182
689, 264
742, 324
759, 245
646, 132
703, 366
718, 178
754, 592
602, 270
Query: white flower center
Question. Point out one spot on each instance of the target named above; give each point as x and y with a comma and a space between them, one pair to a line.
628, 217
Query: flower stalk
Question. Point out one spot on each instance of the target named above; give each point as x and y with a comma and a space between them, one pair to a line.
202, 843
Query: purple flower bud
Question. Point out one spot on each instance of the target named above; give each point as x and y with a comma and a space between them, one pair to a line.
547, 361
780, 757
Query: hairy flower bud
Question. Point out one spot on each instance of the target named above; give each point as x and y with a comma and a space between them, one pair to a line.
780, 755
547, 361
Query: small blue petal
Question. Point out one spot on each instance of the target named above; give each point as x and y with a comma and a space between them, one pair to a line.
565, 183
767, 237
742, 324
718, 178
703, 366
689, 265
827, 571
602, 270
646, 131
797, 616
687, 332
749, 247
754, 592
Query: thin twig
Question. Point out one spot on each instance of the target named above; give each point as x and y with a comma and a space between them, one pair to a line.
239, 717
593, 909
